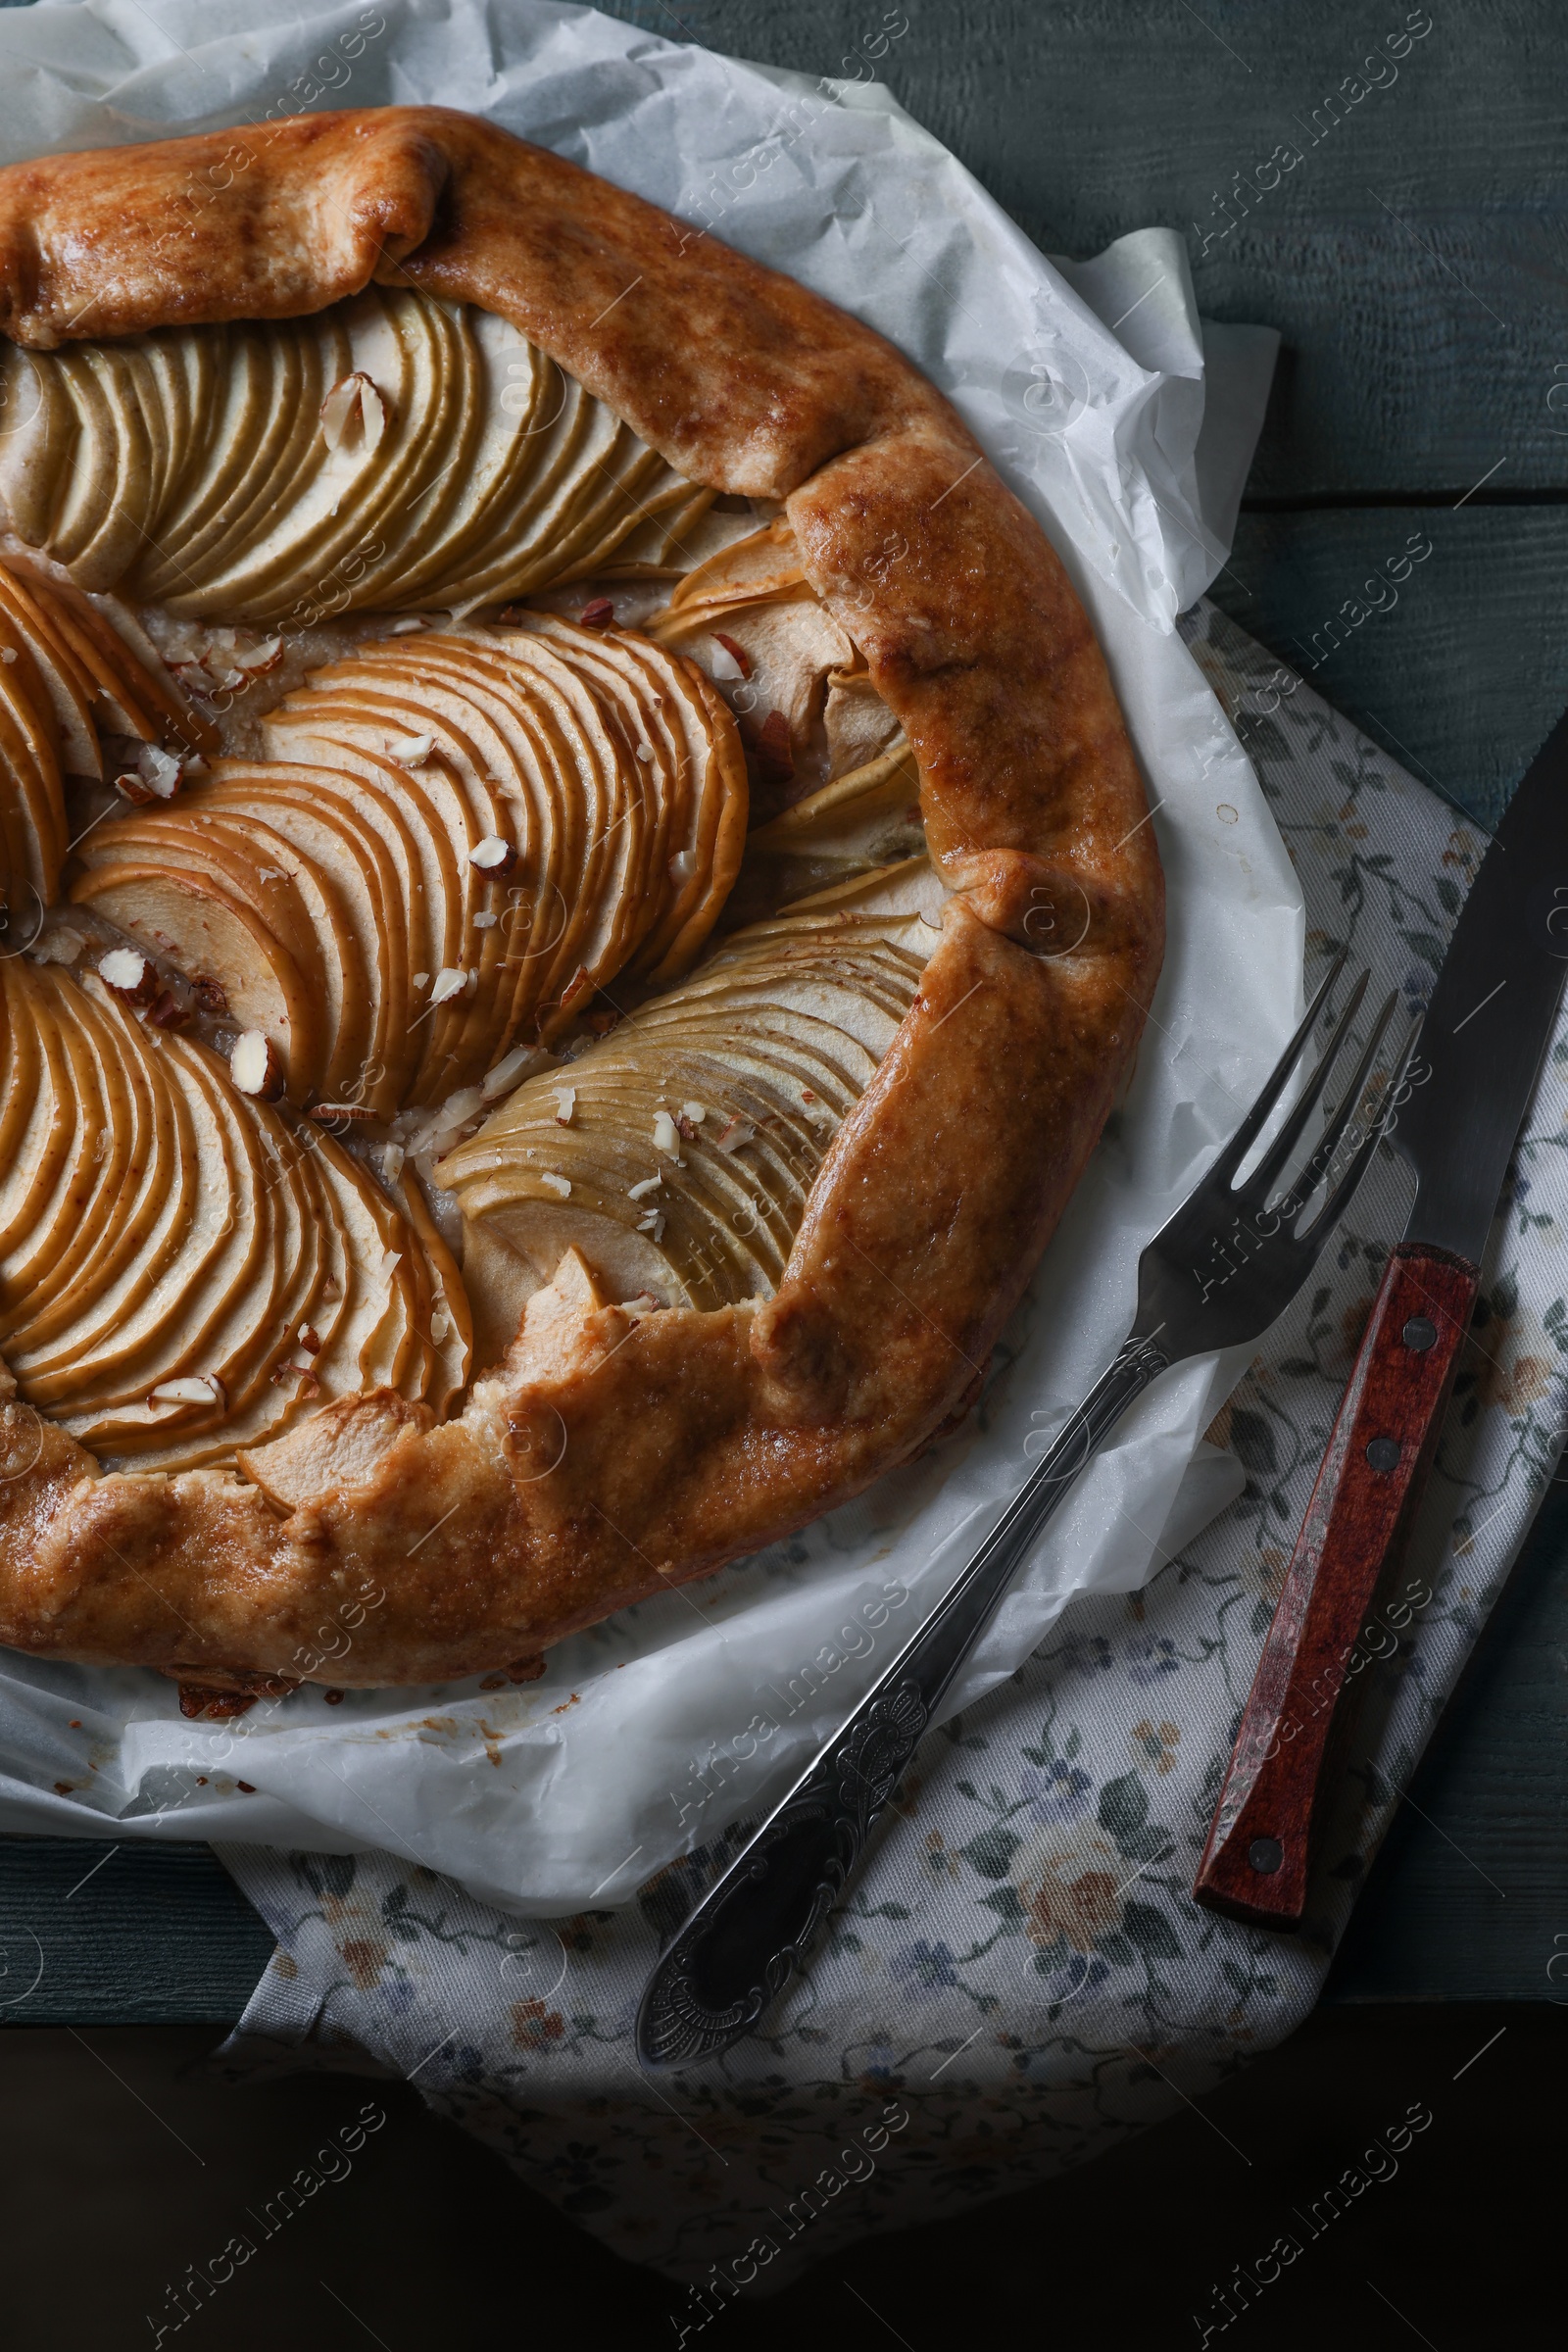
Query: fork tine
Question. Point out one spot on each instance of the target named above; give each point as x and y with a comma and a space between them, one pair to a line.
1289, 1135
1329, 1214
1247, 1133
1322, 1157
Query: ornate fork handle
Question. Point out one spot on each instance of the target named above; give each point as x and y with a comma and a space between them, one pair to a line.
755, 1925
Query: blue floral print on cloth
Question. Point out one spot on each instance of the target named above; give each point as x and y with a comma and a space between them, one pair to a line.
1020, 1978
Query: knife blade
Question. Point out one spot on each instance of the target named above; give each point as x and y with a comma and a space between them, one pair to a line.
1482, 1037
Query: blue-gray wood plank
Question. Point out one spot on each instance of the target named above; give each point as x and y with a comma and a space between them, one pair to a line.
1413, 259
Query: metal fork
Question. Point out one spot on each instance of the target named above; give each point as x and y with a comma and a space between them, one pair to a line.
1225, 1266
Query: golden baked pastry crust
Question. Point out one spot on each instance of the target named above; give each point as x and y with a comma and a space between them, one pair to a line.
610, 1455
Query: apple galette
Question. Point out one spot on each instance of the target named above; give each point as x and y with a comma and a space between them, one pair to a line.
575, 902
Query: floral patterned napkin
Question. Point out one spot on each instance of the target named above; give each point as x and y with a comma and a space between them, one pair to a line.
1020, 1977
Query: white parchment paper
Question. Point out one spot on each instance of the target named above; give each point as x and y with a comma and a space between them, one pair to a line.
1086, 383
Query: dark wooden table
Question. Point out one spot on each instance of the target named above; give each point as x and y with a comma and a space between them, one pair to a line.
1415, 259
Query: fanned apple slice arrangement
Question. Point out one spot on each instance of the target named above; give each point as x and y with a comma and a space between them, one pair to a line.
676, 1157
154, 1219
455, 840
387, 942
389, 453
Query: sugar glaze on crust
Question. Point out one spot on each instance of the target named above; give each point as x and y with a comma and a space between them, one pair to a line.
608, 1456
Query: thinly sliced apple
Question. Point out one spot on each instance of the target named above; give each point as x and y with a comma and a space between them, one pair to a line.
64, 1228
38, 435
426, 799
447, 1317
863, 821
261, 418
188, 886
330, 825
377, 821
40, 1113
307, 357
754, 569
154, 1228
125, 692
672, 707
772, 1039
68, 689
218, 1243
117, 1227
595, 793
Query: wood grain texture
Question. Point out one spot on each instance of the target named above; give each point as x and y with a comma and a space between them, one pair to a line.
1257, 1861
1460, 681
134, 1934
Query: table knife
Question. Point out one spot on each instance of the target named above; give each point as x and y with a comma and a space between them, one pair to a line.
1491, 1011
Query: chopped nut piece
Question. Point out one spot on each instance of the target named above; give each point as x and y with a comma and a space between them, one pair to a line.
450, 982
557, 1184
203, 1389
327, 1114
508, 1072
640, 1192
356, 392
734, 660
566, 1104
411, 751
255, 1067
309, 1338
493, 855
259, 658
645, 1304
697, 1112
598, 614
665, 1138
738, 1132
165, 1011
654, 1223
128, 971
156, 776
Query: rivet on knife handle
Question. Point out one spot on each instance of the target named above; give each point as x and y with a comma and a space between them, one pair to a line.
1258, 1854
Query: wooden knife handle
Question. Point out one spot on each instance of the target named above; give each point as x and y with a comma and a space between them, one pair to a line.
1255, 1863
